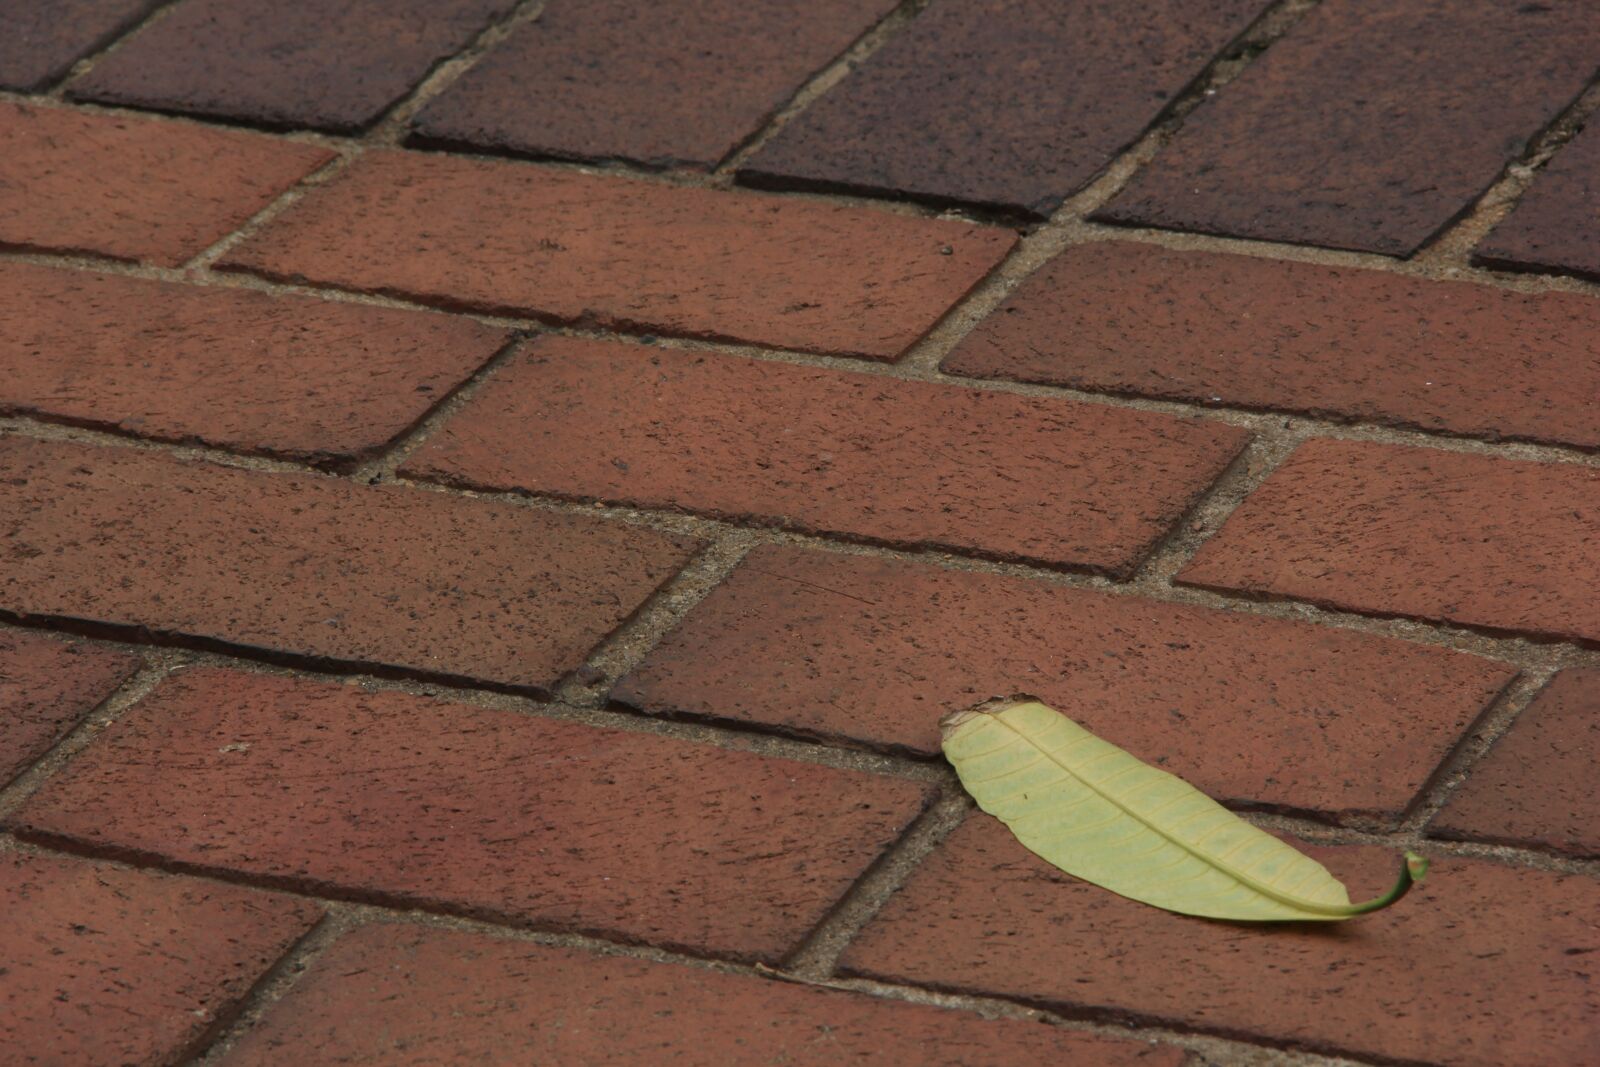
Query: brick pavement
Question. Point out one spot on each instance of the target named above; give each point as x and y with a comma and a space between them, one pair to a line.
457, 608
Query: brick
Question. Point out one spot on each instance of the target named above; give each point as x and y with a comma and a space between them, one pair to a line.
383, 577
491, 813
106, 965
312, 380
1000, 103
40, 40
491, 1000
134, 188
1251, 709
1449, 92
1553, 226
627, 254
754, 440
1483, 965
329, 64
1421, 533
1537, 787
46, 687
674, 83
1352, 344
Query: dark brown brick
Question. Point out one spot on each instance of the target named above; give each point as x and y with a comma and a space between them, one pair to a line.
110, 966
1246, 332
1554, 225
853, 454
1011, 104
308, 566
493, 813
671, 82
1371, 124
490, 1000
46, 687
328, 383
329, 64
619, 253
1248, 708
133, 188
1537, 786
40, 40
1483, 966
1419, 532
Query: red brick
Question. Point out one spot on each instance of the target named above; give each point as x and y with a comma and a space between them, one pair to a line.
1537, 785
1419, 532
800, 447
46, 687
491, 813
1371, 125
1248, 332
1248, 708
313, 567
1553, 227
331, 64
622, 253
105, 965
323, 382
662, 83
490, 1000
133, 188
1010, 104
40, 40
1483, 965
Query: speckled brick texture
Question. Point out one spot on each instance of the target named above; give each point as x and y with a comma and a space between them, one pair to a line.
1471, 540
47, 686
853, 454
612, 252
1370, 125
1553, 227
492, 813
1537, 787
134, 188
1243, 331
1008, 104
325, 383
325, 64
676, 82
108, 965
40, 40
317, 568
358, 1005
1480, 953
1252, 709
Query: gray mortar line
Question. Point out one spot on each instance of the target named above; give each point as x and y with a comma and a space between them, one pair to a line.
81, 67
202, 262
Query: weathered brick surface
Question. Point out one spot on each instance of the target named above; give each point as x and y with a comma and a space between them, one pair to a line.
1238, 330
624, 253
328, 383
110, 966
1475, 540
134, 188
1483, 965
489, 1000
1370, 125
1004, 103
1248, 708
310, 566
1537, 785
495, 813
1553, 227
663, 83
853, 454
40, 40
331, 64
46, 687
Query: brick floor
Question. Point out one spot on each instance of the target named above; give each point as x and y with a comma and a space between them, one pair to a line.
560, 562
